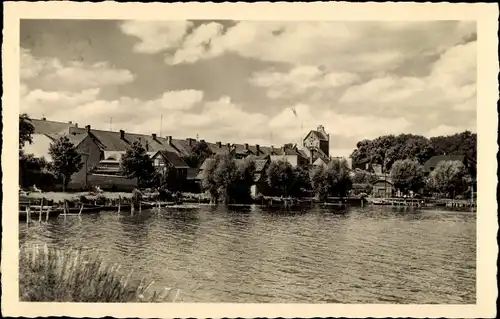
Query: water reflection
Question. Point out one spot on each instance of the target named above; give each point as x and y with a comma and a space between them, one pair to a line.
249, 254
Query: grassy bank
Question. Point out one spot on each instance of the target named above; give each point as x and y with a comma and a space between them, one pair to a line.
61, 196
50, 274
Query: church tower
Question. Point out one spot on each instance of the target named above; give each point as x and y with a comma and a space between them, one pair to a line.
318, 141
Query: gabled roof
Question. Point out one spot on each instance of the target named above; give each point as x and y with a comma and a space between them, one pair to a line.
183, 147
434, 161
318, 134
260, 164
240, 149
172, 158
222, 150
112, 141
49, 127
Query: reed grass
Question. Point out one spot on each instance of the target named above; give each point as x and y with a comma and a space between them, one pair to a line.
51, 274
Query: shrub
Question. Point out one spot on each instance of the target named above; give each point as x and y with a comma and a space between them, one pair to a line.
51, 274
101, 200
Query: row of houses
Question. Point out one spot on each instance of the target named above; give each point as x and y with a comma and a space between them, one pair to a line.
102, 150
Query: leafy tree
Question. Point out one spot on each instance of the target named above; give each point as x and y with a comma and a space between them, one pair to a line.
198, 154
167, 177
320, 182
228, 180
464, 143
65, 159
331, 180
208, 180
449, 177
26, 130
363, 177
34, 171
407, 175
136, 163
341, 183
280, 176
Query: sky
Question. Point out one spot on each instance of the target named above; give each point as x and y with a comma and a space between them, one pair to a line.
239, 81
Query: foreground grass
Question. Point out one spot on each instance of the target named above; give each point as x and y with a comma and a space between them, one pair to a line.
49, 274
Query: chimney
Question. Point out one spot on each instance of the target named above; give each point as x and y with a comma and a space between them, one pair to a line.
189, 140
258, 148
122, 134
154, 136
169, 140
219, 144
228, 145
69, 122
202, 141
44, 118
246, 146
88, 128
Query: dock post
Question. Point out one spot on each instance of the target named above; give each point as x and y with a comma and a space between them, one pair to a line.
27, 215
81, 208
40, 213
47, 215
119, 201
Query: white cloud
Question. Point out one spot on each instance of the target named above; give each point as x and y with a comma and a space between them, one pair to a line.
450, 85
39, 102
299, 80
342, 46
73, 76
156, 36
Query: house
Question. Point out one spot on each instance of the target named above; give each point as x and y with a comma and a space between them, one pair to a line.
318, 140
163, 159
383, 188
289, 153
220, 149
260, 177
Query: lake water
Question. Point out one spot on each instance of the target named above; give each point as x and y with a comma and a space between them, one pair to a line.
368, 255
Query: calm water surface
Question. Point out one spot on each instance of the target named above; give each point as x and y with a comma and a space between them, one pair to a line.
370, 255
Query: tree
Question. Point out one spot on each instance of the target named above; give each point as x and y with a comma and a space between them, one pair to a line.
363, 177
407, 175
387, 149
65, 159
320, 182
228, 180
464, 143
26, 130
449, 177
198, 154
338, 169
167, 177
136, 163
280, 176
331, 180
208, 180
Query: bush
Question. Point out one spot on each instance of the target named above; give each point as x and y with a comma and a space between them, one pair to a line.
51, 274
101, 200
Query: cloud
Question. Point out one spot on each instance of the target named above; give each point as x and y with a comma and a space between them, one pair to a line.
156, 36
451, 85
299, 80
39, 102
342, 46
53, 75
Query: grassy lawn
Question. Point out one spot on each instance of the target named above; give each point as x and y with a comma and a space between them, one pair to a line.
50, 274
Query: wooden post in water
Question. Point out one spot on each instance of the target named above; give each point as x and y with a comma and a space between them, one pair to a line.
80, 212
47, 215
119, 201
140, 207
27, 214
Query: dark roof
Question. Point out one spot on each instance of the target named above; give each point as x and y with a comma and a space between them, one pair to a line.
112, 141
173, 158
434, 161
222, 150
318, 134
260, 164
183, 147
50, 127
240, 149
